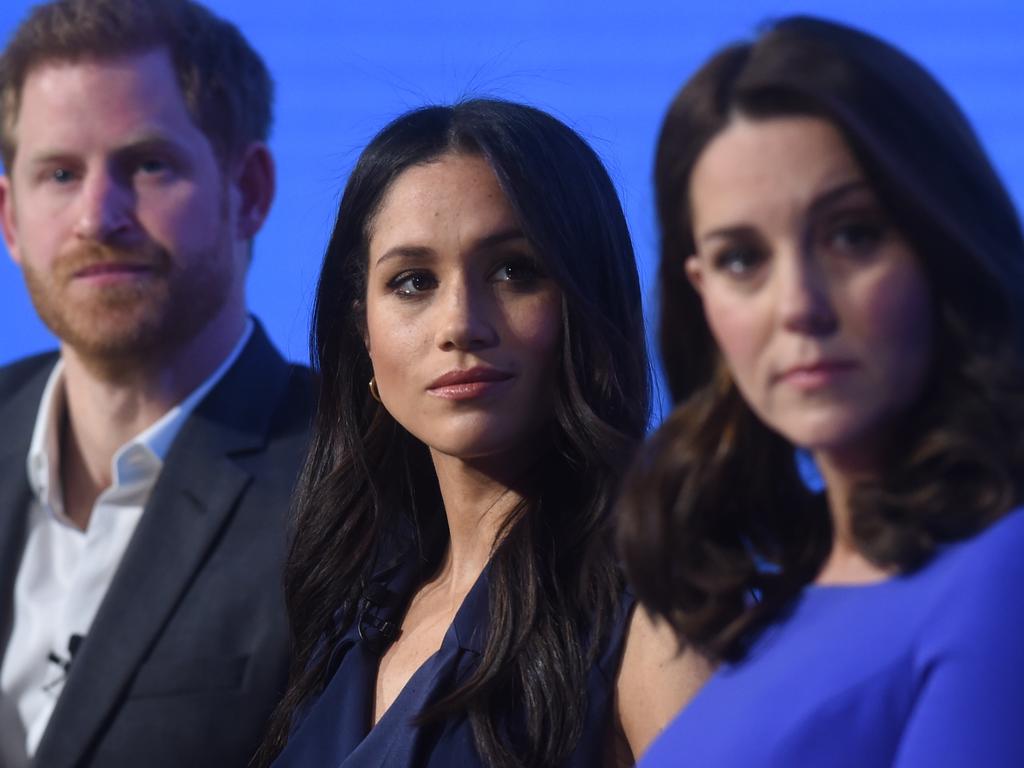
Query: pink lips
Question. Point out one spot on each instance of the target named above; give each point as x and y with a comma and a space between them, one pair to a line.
469, 383
817, 375
113, 272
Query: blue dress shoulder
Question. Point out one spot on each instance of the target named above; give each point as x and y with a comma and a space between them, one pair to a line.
924, 670
335, 731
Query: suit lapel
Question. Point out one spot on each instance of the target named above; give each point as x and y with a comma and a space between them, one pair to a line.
195, 495
18, 415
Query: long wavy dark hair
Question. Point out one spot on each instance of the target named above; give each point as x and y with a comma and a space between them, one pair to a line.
715, 511
554, 583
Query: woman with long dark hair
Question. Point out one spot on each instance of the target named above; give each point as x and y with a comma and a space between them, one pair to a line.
843, 273
452, 587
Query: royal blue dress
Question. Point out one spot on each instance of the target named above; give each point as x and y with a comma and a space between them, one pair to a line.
335, 731
919, 671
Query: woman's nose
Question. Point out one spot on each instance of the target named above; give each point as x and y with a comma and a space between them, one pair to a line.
466, 317
805, 297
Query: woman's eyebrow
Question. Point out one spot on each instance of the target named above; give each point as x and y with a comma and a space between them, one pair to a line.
424, 253
728, 232
834, 194
418, 252
824, 199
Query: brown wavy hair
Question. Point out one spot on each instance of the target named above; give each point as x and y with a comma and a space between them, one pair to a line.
718, 532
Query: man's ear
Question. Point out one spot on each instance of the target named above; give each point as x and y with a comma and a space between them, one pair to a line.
8, 221
255, 180
694, 272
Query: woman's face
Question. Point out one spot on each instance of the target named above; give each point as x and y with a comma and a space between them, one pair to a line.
462, 322
817, 303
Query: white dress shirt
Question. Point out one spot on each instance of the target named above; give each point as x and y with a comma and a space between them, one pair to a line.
64, 571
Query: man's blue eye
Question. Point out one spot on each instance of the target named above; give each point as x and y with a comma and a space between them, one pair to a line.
63, 176
152, 166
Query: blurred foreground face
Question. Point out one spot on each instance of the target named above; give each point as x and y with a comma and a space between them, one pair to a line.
462, 323
817, 303
116, 208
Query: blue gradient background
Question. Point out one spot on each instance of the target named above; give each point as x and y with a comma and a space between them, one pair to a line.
344, 68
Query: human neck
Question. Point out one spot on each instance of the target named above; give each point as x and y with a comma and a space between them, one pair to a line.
841, 473
478, 499
107, 403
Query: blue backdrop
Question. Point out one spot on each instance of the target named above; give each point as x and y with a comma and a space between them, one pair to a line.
608, 68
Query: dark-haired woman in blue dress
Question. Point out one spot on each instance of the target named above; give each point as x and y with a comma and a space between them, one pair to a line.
842, 272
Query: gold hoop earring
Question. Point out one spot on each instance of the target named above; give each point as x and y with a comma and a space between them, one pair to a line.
374, 392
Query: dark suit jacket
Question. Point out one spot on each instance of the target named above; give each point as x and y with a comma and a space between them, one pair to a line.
187, 654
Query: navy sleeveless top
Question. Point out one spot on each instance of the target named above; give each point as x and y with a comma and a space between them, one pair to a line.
335, 731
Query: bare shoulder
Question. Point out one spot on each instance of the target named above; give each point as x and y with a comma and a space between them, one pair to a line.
656, 679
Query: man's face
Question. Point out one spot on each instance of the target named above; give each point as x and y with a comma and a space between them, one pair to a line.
118, 212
